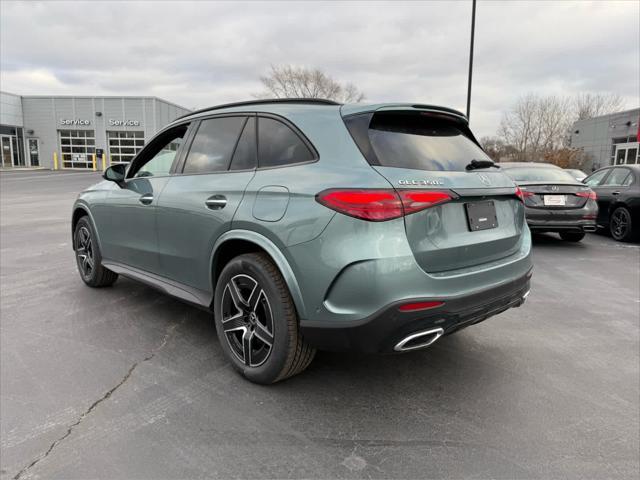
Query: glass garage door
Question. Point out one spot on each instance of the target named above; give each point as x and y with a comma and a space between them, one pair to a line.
77, 147
123, 146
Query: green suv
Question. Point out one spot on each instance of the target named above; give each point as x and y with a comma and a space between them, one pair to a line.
306, 224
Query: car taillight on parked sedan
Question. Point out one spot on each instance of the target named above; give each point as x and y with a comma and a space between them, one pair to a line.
589, 194
522, 194
380, 205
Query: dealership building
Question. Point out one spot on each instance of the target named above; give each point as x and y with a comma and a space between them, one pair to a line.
73, 132
609, 139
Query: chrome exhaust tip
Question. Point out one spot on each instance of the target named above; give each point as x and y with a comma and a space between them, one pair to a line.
419, 340
589, 228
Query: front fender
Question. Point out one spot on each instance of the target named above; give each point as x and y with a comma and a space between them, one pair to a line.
276, 254
81, 205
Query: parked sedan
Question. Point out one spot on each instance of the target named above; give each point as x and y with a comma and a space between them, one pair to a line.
618, 190
554, 200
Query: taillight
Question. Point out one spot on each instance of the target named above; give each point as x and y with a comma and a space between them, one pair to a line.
380, 205
522, 194
417, 306
589, 194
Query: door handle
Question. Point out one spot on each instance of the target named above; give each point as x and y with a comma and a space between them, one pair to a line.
216, 202
146, 199
615, 193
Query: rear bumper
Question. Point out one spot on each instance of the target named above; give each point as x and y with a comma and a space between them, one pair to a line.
385, 329
570, 220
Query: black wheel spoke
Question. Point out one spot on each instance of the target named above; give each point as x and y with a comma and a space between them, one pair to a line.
263, 334
234, 323
246, 347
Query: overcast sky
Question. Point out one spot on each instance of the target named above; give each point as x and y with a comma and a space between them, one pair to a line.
203, 53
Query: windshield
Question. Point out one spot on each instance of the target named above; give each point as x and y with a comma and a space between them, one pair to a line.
539, 174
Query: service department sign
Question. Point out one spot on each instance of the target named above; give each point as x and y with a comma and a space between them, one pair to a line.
77, 122
124, 123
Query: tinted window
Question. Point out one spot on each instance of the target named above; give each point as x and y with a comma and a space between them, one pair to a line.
539, 174
213, 145
160, 154
617, 177
416, 141
595, 178
279, 145
245, 155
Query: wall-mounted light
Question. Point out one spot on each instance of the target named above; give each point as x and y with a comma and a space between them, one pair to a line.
577, 132
98, 114
30, 132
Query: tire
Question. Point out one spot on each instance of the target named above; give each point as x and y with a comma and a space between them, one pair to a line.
88, 257
621, 226
254, 313
572, 236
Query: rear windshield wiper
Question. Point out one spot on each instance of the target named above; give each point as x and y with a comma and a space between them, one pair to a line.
481, 164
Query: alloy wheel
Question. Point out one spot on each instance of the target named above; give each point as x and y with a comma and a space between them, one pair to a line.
619, 223
247, 320
84, 251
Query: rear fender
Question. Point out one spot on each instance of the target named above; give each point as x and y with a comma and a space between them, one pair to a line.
276, 255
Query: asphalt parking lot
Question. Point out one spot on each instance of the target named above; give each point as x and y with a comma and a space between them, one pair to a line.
125, 382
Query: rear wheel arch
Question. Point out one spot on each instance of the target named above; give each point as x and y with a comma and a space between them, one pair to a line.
237, 242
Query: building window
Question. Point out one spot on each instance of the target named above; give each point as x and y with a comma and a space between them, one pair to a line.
123, 146
77, 147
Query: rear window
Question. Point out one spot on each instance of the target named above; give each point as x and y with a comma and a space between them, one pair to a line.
414, 140
539, 174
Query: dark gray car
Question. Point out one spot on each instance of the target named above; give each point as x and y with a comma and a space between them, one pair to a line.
554, 200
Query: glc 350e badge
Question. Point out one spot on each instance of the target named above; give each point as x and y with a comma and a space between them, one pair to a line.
421, 182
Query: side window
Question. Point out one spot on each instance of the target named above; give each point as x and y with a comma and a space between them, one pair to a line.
158, 157
628, 181
595, 178
617, 177
279, 145
244, 158
213, 145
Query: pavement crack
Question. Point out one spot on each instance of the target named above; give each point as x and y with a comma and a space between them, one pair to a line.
168, 334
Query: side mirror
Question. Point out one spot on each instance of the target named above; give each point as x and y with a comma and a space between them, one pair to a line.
115, 173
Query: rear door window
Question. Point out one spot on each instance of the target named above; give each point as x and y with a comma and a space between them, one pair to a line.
244, 158
415, 140
279, 145
618, 177
213, 145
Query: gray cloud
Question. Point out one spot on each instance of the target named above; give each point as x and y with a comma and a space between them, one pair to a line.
202, 53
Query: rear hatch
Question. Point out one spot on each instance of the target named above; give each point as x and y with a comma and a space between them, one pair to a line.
430, 150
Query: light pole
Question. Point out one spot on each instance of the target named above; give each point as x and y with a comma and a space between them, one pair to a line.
473, 31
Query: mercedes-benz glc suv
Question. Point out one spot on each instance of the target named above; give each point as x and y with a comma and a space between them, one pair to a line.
306, 224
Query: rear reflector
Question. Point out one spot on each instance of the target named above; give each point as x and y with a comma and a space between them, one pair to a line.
590, 194
417, 306
380, 205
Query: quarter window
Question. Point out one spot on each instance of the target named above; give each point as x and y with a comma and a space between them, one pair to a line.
279, 145
213, 145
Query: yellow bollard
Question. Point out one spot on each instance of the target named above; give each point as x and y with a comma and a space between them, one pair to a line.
104, 162
94, 162
55, 160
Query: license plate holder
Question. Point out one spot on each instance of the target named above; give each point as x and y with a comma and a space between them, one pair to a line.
481, 215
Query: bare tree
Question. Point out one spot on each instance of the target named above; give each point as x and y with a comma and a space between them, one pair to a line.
287, 81
538, 125
589, 105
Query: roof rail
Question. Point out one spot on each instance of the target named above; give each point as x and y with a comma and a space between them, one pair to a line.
319, 101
